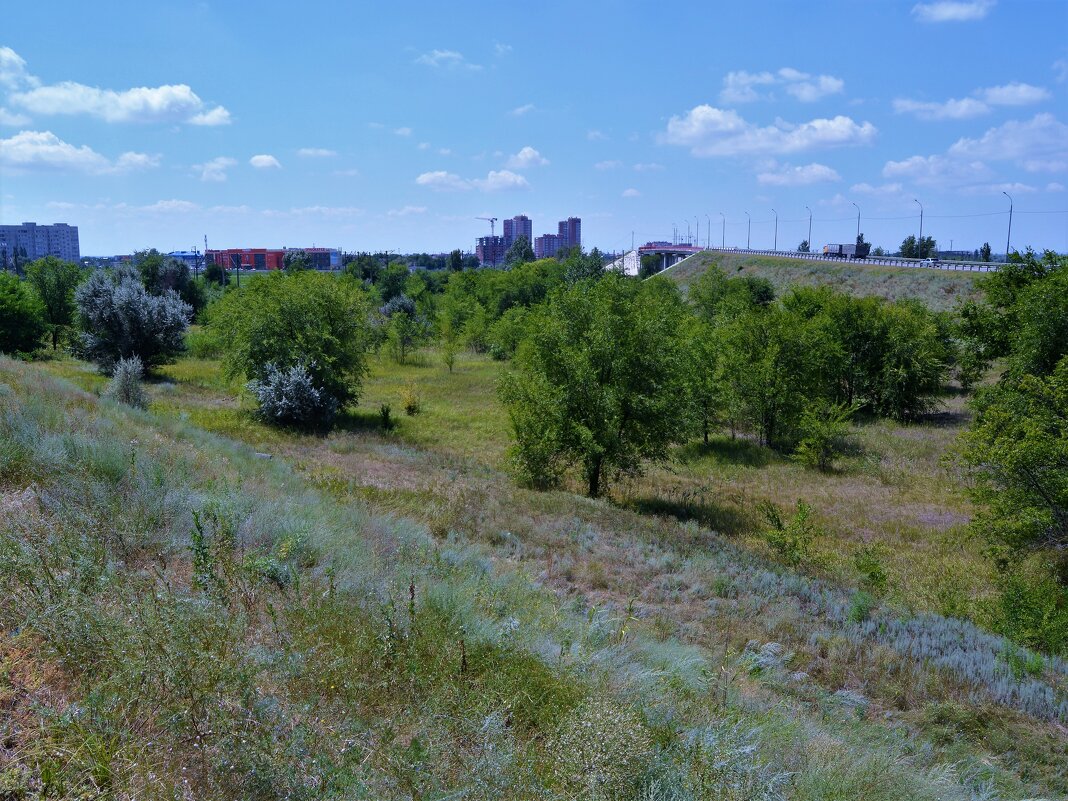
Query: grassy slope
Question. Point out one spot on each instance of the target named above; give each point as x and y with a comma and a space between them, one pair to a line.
937, 288
663, 581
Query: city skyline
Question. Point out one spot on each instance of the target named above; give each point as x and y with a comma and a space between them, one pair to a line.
370, 130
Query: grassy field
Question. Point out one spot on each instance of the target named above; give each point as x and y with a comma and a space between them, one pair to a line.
854, 697
939, 289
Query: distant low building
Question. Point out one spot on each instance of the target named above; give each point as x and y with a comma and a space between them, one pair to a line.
28, 242
272, 258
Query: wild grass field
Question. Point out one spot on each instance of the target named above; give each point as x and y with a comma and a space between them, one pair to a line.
941, 290
662, 597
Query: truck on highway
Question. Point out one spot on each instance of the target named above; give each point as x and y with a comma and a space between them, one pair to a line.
847, 251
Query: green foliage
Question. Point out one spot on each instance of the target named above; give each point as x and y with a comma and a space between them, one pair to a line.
520, 252
410, 401
823, 430
307, 317
1033, 607
54, 282
214, 274
22, 316
716, 296
984, 252
125, 385
510, 329
911, 248
296, 260
791, 540
599, 379
872, 573
391, 281
860, 606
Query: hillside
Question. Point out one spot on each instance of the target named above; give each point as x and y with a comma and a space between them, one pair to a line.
939, 289
360, 616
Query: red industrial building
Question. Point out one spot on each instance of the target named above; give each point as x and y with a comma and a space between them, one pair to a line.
271, 259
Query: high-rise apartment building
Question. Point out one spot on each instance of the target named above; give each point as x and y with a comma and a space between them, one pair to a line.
547, 246
570, 233
490, 250
30, 241
520, 225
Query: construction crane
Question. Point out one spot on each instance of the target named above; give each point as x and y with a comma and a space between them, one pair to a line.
492, 221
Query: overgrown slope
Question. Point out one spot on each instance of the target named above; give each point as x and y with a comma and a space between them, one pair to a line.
939, 289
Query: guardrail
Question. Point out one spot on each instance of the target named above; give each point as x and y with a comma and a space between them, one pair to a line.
889, 261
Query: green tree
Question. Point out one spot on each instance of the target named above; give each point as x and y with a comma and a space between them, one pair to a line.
579, 266
22, 317
296, 260
520, 252
280, 321
823, 433
599, 381
804, 247
984, 252
391, 281
215, 274
455, 261
911, 248
54, 282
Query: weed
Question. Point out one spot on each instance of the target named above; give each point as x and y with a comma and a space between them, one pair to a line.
791, 540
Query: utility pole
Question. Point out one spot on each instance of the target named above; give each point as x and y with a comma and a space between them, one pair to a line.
919, 243
1008, 237
775, 246
723, 233
809, 240
858, 223
748, 231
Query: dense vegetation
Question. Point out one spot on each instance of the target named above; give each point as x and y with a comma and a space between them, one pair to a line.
383, 612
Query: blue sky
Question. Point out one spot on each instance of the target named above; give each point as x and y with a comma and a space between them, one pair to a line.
392, 126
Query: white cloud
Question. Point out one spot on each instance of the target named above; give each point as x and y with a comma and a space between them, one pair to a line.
172, 206
315, 153
499, 180
1038, 145
937, 171
446, 59
352, 172
329, 212
406, 211
1011, 94
709, 131
595, 136
632, 192
168, 103
444, 151
798, 176
13, 73
264, 161
741, 86
876, 191
502, 49
495, 181
215, 170
43, 150
996, 189
403, 131
12, 118
1060, 70
519, 111
216, 116
526, 158
952, 10
650, 167
607, 165
442, 181
1053, 186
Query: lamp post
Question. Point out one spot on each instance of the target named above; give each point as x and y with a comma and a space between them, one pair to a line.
919, 242
723, 234
775, 246
858, 223
708, 233
809, 229
697, 231
1008, 236
748, 230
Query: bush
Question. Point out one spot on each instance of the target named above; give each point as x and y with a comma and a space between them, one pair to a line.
410, 401
119, 319
405, 328
125, 385
823, 429
289, 396
793, 540
21, 316
309, 319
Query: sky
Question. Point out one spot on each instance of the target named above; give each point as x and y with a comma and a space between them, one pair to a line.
371, 126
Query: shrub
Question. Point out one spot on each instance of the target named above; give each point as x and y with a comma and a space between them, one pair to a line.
279, 321
823, 429
600, 750
448, 353
405, 328
872, 573
125, 385
792, 540
860, 606
385, 415
290, 396
119, 319
21, 316
410, 401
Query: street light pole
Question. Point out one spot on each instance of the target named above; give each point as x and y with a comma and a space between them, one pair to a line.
919, 243
1008, 237
858, 223
809, 229
708, 233
697, 230
723, 234
775, 246
748, 230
